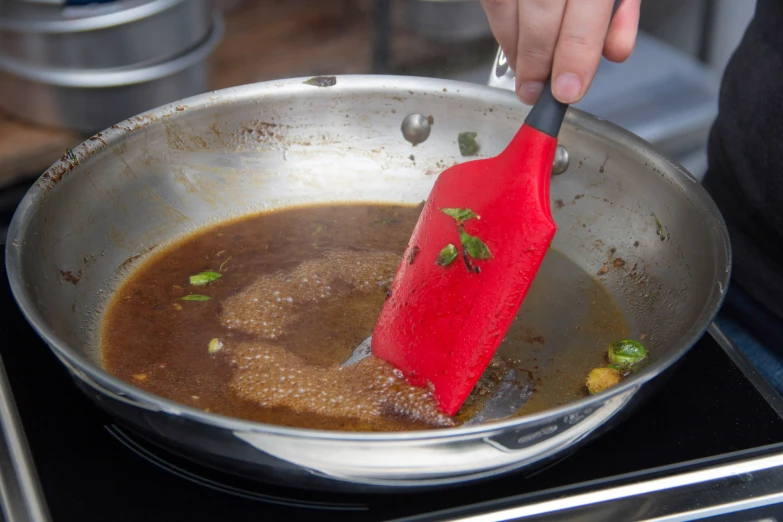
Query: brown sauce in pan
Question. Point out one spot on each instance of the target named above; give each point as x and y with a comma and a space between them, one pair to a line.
299, 289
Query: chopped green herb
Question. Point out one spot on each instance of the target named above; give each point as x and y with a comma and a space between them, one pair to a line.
204, 278
659, 228
71, 156
447, 255
473, 246
196, 297
215, 345
318, 230
460, 214
467, 143
322, 81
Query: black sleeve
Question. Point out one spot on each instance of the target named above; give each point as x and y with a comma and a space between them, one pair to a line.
745, 175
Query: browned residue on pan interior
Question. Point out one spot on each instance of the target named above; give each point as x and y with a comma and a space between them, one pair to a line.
75, 276
70, 276
186, 352
135, 257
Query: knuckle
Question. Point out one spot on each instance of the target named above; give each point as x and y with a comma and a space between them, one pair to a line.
534, 59
535, 55
578, 43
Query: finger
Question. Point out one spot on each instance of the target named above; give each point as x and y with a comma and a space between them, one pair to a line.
539, 24
579, 47
621, 39
502, 16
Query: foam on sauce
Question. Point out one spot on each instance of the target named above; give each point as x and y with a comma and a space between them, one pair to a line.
300, 288
270, 376
270, 306
368, 390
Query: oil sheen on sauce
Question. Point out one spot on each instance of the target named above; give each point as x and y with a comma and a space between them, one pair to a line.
298, 290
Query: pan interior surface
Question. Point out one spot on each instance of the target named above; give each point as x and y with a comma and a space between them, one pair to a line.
633, 229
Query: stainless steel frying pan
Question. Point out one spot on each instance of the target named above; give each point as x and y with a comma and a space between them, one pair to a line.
150, 179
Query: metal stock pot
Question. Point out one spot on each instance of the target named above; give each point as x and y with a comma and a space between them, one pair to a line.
153, 178
126, 34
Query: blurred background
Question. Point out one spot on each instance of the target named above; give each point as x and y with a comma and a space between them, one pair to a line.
68, 70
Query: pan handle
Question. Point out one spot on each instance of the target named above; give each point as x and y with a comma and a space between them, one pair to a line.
20, 488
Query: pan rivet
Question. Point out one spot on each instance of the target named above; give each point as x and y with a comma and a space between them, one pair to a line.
416, 128
561, 160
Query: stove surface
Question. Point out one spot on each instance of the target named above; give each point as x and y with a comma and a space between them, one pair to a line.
92, 470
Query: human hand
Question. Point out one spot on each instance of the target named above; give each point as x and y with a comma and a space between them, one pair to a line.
564, 38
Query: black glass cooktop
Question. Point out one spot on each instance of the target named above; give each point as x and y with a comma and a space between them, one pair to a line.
91, 470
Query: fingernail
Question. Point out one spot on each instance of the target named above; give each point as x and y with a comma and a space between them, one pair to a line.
567, 87
530, 91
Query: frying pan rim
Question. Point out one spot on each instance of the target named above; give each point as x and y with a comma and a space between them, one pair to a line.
353, 84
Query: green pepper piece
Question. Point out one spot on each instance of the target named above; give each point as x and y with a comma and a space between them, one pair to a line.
196, 297
627, 353
215, 345
204, 278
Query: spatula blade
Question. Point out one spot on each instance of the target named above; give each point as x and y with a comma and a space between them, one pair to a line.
441, 325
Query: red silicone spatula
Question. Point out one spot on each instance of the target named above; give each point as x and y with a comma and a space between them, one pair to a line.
480, 239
